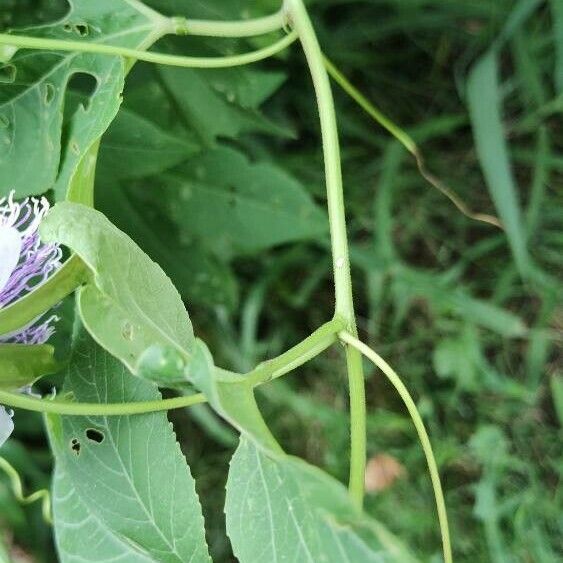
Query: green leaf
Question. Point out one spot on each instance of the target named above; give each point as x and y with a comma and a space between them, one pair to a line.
247, 206
22, 364
122, 486
485, 104
134, 147
452, 358
163, 365
129, 304
298, 513
32, 102
231, 97
232, 397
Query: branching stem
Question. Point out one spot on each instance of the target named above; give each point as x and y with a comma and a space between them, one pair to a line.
299, 19
421, 430
313, 345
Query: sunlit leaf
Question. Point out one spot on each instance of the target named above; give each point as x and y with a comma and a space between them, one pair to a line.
129, 304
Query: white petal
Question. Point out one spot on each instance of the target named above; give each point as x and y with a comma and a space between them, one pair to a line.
6, 425
10, 250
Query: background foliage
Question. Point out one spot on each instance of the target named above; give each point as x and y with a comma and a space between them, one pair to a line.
467, 313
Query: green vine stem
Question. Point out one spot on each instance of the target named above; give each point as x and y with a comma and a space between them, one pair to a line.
299, 19
406, 140
307, 349
28, 42
245, 28
17, 489
421, 430
70, 408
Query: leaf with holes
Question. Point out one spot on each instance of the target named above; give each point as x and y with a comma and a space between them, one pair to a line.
247, 206
122, 486
299, 513
32, 93
130, 304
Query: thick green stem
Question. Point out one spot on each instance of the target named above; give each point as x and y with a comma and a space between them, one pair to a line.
27, 42
299, 19
244, 28
313, 345
421, 430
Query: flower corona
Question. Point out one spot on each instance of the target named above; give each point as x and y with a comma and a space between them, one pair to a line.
25, 262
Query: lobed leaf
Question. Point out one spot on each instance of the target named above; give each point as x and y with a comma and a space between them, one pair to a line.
231, 96
33, 99
247, 206
134, 147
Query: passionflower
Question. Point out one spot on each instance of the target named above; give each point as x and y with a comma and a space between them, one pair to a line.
25, 263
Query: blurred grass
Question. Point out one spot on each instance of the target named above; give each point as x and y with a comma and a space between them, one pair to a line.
456, 306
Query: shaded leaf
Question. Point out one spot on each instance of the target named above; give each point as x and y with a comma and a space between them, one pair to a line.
231, 97
557, 11
197, 274
134, 147
22, 364
247, 206
484, 99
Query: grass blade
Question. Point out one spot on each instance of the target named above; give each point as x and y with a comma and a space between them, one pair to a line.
484, 99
